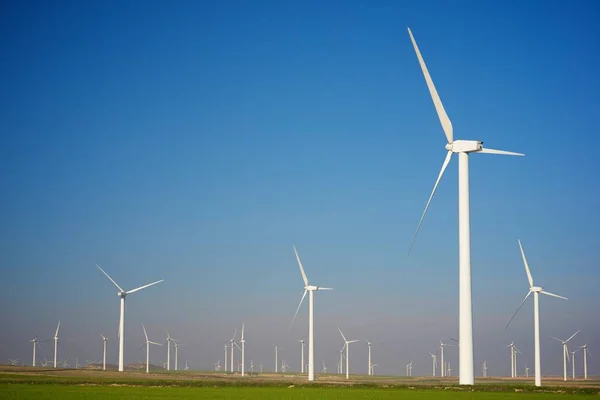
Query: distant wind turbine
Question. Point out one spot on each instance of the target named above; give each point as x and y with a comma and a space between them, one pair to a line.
104, 340
56, 343
536, 290
370, 364
311, 342
242, 341
347, 345
301, 356
434, 360
232, 342
585, 353
148, 343
484, 368
169, 340
34, 341
324, 369
122, 294
565, 353
463, 148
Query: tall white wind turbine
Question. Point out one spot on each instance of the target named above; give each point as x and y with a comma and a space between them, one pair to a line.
56, 343
34, 341
169, 340
347, 345
311, 342
242, 341
104, 340
225, 362
370, 364
585, 352
434, 360
536, 290
565, 353
122, 294
232, 342
301, 356
573, 360
148, 343
484, 368
463, 148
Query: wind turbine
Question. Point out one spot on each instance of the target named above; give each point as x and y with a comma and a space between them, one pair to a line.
302, 356
512, 359
370, 365
585, 351
169, 340
35, 343
122, 294
232, 342
517, 351
347, 345
573, 360
565, 353
186, 366
484, 368
104, 340
324, 369
434, 360
536, 290
242, 341
311, 342
176, 344
463, 148
373, 368
148, 343
56, 343
225, 369
276, 351
442, 365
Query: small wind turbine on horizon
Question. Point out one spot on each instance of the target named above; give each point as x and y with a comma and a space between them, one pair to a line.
565, 353
301, 356
169, 340
463, 148
347, 346
536, 290
585, 353
242, 341
434, 360
56, 343
35, 343
276, 355
104, 340
122, 294
148, 343
232, 341
311, 342
512, 359
484, 368
370, 365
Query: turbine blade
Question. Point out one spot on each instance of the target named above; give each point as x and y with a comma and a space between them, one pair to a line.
324, 288
158, 344
242, 331
145, 334
437, 102
57, 328
529, 277
553, 295
555, 338
298, 309
304, 278
111, 279
353, 341
572, 336
444, 165
502, 152
144, 287
234, 333
515, 314
342, 335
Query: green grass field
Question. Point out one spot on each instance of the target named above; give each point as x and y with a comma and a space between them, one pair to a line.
67, 392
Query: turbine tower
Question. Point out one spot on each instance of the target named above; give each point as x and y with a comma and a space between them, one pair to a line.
104, 340
311, 343
573, 360
242, 341
232, 342
565, 353
585, 351
169, 340
512, 359
35, 343
148, 343
370, 364
347, 346
536, 290
462, 148
433, 359
122, 294
302, 356
56, 343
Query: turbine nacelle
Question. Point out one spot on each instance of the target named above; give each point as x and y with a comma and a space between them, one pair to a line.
536, 289
311, 287
464, 146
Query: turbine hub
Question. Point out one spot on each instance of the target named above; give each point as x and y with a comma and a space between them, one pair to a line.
536, 289
464, 146
311, 287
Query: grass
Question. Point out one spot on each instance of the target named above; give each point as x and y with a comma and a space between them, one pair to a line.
68, 392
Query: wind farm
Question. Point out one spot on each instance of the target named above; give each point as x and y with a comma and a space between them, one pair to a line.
217, 163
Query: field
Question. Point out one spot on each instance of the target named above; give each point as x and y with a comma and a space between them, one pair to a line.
27, 383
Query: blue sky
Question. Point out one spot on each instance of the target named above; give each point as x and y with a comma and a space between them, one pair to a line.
197, 142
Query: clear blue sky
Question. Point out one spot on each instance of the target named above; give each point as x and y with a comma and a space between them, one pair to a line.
197, 141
